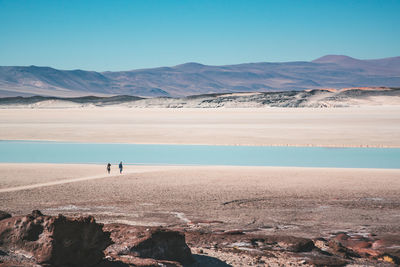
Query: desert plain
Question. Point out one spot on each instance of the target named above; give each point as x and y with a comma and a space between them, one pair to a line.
373, 126
304, 202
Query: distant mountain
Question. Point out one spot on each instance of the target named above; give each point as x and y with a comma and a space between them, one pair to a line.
385, 66
332, 71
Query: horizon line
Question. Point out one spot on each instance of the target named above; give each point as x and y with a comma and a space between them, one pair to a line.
189, 62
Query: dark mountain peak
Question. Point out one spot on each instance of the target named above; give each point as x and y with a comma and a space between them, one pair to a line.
190, 66
34, 67
376, 66
335, 59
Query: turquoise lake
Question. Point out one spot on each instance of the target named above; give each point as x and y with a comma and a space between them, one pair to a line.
60, 152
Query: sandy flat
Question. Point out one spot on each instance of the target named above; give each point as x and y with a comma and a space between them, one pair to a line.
363, 126
302, 201
15, 177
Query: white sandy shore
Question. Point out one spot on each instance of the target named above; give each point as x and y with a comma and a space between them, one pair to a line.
377, 126
304, 201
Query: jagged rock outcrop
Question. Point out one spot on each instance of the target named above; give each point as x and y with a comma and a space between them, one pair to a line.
339, 249
134, 244
54, 240
40, 240
366, 246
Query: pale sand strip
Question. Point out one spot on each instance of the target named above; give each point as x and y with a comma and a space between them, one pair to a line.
335, 127
24, 176
19, 188
65, 181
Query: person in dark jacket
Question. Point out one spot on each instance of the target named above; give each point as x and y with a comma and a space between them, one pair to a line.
108, 168
120, 167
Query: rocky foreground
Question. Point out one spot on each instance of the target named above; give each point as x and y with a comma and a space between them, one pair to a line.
41, 240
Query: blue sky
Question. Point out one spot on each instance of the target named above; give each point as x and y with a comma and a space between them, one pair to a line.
123, 35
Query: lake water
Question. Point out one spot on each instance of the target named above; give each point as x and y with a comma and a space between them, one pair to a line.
60, 152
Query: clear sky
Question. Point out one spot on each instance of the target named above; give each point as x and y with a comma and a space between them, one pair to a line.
123, 35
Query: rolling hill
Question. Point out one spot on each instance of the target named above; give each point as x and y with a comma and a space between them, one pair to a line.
332, 71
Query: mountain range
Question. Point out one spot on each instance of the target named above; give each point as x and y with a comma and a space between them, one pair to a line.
332, 71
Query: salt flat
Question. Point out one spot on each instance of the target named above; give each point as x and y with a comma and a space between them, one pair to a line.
377, 126
305, 202
301, 201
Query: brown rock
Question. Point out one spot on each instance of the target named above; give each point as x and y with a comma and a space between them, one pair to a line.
322, 260
233, 232
337, 248
55, 240
284, 243
155, 243
378, 244
368, 247
363, 246
294, 244
4, 215
260, 242
341, 237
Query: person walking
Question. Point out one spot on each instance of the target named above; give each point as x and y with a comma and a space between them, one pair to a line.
120, 167
108, 168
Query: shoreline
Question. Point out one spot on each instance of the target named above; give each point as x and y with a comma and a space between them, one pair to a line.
201, 144
157, 165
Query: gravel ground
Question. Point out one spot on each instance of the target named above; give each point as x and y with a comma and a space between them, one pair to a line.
301, 201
